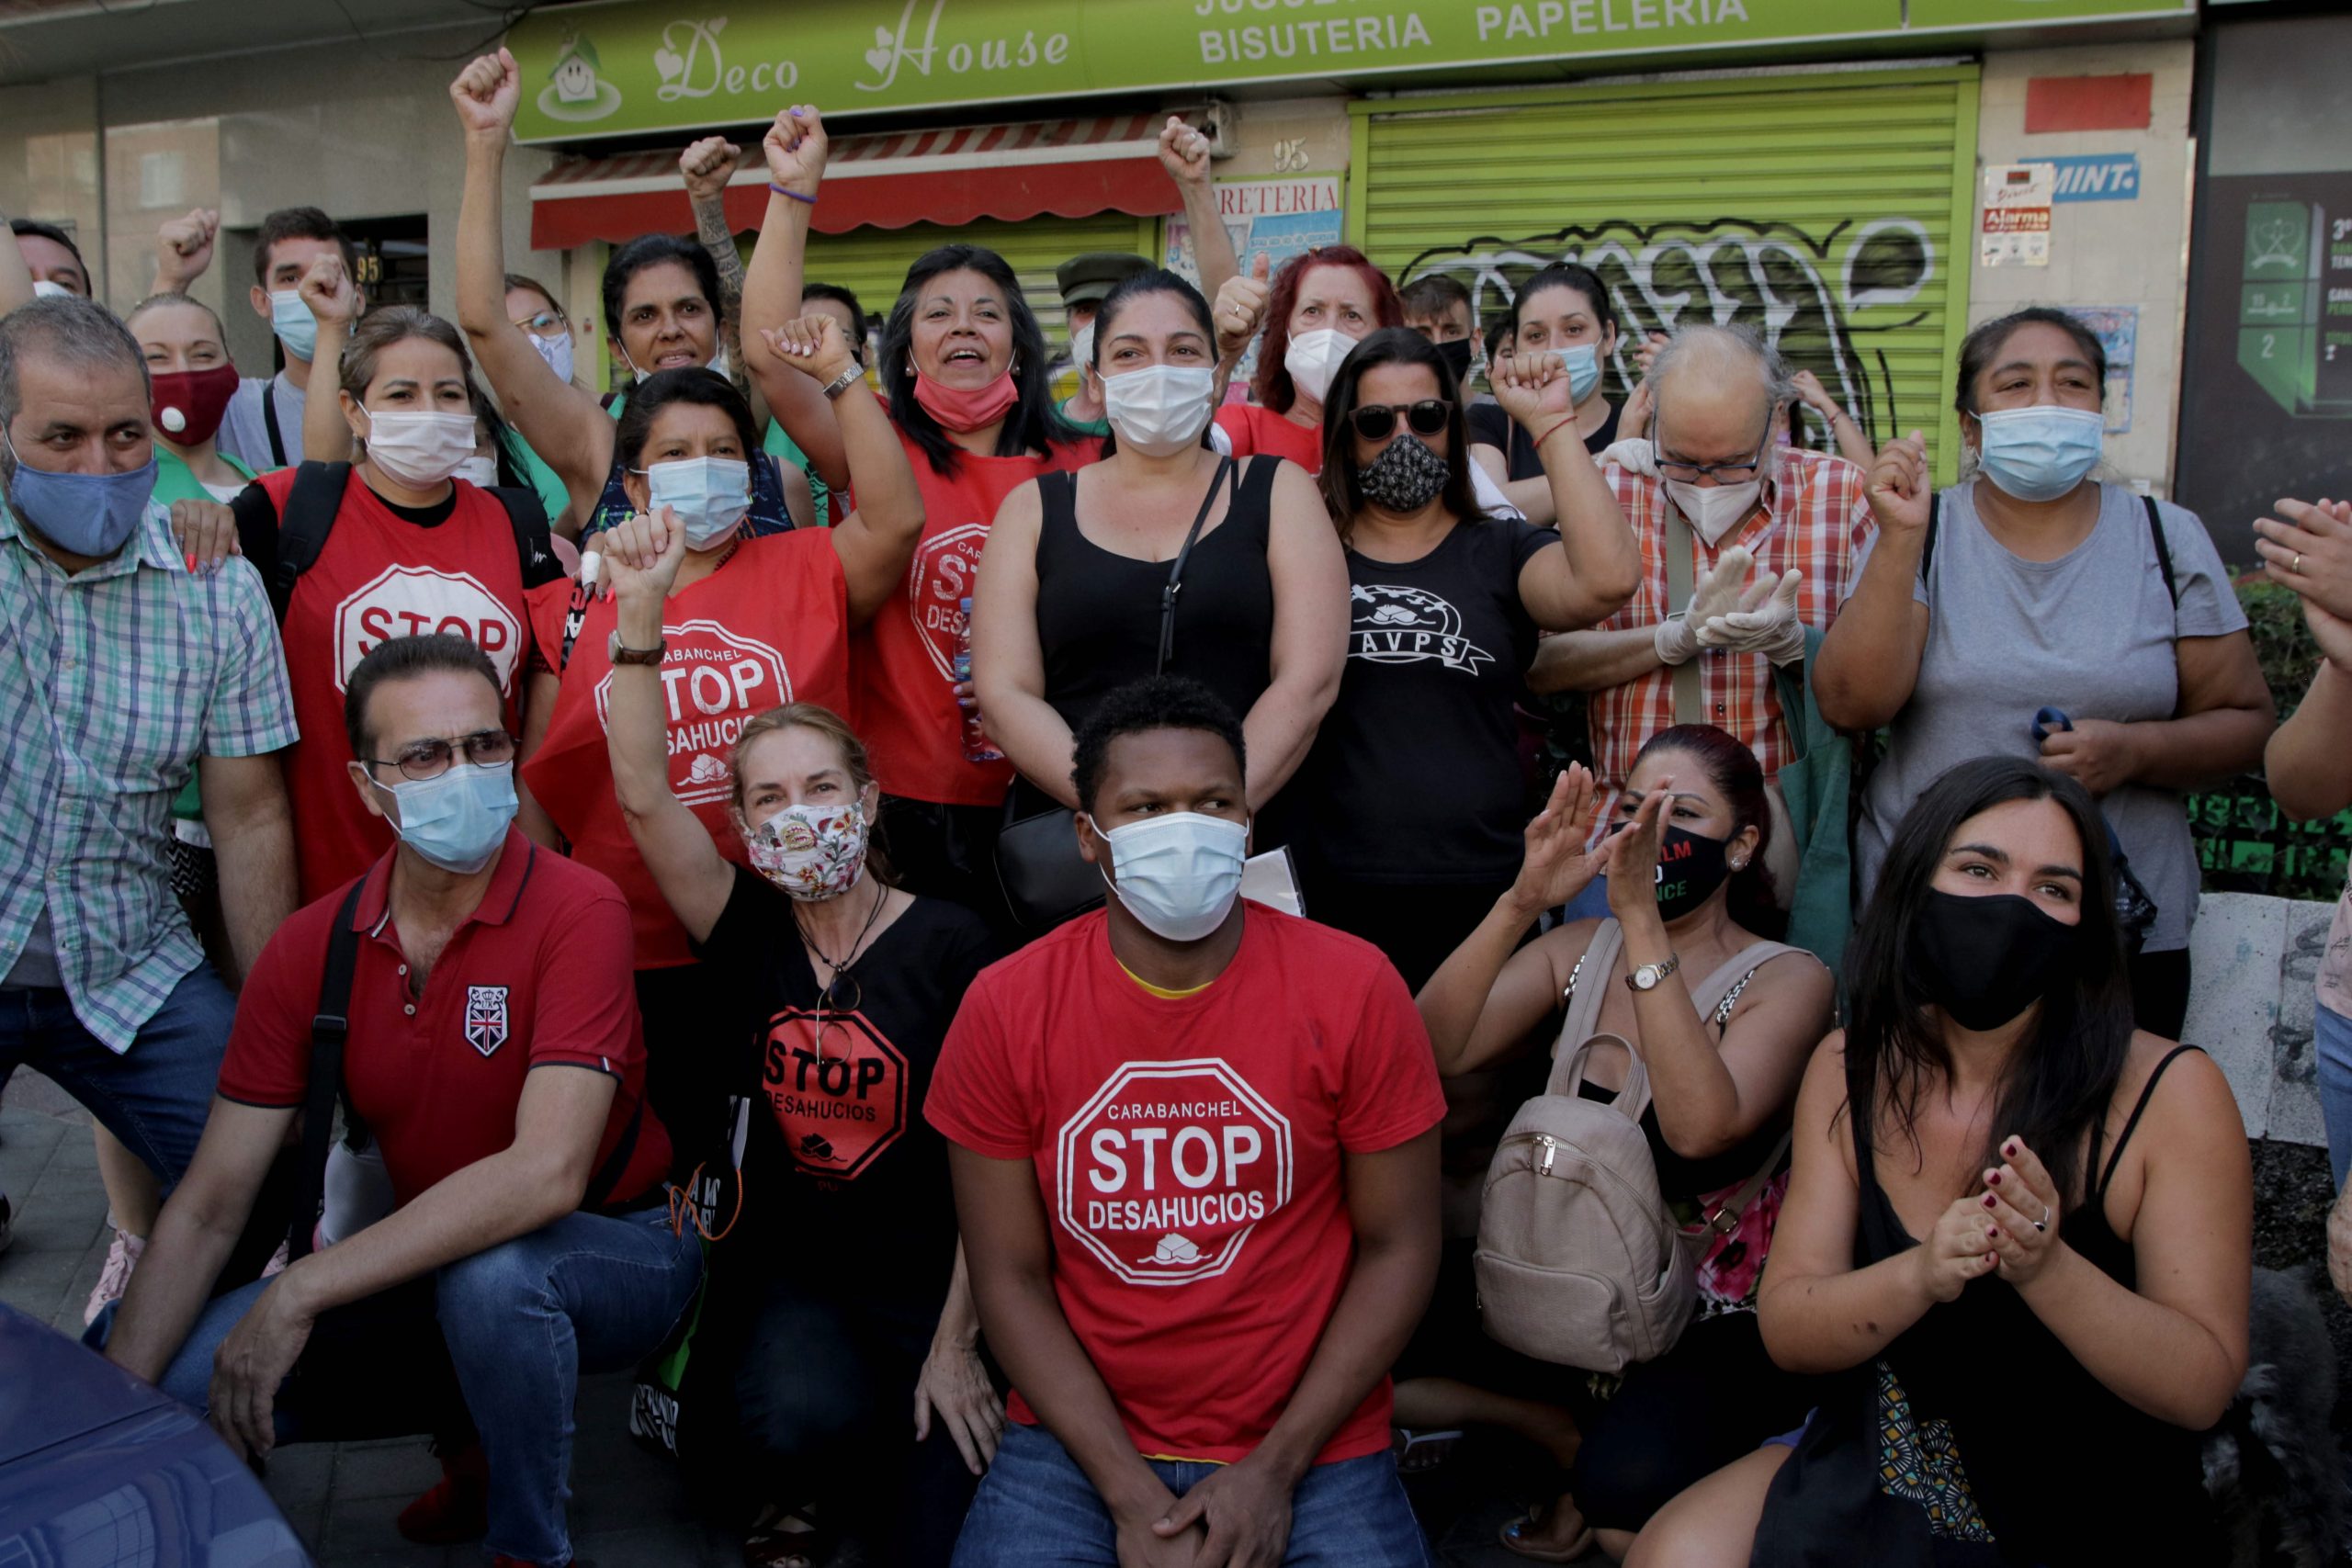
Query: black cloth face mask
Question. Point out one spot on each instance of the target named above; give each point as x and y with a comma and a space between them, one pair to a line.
1986, 960
1405, 477
1456, 355
1691, 867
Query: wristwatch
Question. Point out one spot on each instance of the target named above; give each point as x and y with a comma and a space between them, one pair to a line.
616, 654
841, 383
1649, 976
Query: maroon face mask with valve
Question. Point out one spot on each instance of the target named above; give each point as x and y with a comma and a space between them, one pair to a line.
188, 405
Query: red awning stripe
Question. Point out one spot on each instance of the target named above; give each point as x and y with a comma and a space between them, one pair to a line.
1072, 168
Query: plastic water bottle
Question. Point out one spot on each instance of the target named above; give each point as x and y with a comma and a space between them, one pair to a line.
978, 747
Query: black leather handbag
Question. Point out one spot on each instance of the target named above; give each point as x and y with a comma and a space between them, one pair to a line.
1045, 880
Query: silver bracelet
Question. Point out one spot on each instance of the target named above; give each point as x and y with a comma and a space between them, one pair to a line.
841, 383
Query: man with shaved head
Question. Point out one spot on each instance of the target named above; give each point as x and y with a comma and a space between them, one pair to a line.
1746, 543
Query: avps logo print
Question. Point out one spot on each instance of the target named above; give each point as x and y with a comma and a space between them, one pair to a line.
1166, 1171
1396, 624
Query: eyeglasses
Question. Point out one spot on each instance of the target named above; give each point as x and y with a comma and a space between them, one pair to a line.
1722, 473
1373, 422
841, 996
547, 324
431, 758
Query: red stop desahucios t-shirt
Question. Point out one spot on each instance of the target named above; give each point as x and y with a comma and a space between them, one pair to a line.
380, 577
903, 664
1189, 1153
770, 627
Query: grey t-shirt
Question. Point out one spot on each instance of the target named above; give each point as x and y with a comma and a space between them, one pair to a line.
2090, 634
243, 435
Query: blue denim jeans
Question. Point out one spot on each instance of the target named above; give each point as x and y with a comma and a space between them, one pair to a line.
521, 1322
2331, 1048
153, 1097
1036, 1509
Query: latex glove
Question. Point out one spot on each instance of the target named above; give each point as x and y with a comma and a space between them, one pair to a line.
1635, 457
1717, 594
1765, 623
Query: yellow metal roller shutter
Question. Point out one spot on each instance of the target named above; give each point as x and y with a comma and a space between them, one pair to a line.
874, 261
1831, 210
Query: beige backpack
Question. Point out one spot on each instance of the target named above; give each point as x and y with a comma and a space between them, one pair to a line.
1580, 1263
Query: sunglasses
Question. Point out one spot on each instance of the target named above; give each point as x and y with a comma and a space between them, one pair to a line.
1373, 422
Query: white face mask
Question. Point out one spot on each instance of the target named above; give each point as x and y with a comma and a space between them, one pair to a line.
1714, 510
44, 289
420, 449
708, 496
479, 471
1159, 409
557, 352
1179, 875
719, 366
1081, 346
1313, 358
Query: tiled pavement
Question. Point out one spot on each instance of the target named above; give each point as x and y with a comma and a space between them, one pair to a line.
629, 1509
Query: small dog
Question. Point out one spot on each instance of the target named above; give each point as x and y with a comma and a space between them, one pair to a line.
2271, 1465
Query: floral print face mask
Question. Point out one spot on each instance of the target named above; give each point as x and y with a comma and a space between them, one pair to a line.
813, 852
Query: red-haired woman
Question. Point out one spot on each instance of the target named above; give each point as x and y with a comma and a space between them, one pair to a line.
1314, 310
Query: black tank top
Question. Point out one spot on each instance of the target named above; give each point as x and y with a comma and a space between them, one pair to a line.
1098, 612
2065, 1471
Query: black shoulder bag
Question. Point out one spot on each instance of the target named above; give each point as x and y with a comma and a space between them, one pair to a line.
1045, 880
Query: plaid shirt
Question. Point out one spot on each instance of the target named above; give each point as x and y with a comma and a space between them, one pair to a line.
1816, 518
112, 683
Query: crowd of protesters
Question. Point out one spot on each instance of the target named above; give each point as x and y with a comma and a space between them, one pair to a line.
1053, 1045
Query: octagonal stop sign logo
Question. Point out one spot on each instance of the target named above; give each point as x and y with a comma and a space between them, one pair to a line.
1167, 1170
838, 1088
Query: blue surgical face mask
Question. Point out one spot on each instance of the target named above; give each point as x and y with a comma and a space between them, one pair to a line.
2041, 453
457, 820
708, 496
292, 321
1180, 874
1583, 360
83, 514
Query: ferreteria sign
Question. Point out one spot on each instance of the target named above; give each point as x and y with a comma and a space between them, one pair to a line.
626, 67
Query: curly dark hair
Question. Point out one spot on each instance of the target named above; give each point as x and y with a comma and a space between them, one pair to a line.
1156, 702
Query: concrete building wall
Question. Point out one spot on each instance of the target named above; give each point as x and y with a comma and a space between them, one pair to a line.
2130, 252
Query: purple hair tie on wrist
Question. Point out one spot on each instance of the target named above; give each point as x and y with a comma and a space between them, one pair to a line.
793, 194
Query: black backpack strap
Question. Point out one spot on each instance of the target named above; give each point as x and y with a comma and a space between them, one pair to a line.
330, 1026
1928, 550
529, 514
303, 524
270, 424
2163, 549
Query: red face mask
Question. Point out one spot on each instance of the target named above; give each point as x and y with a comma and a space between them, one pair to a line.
188, 405
962, 409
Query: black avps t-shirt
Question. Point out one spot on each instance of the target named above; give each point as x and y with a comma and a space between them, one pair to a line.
845, 1183
1415, 773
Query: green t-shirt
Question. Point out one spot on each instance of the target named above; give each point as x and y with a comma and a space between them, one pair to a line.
552, 493
175, 480
1088, 426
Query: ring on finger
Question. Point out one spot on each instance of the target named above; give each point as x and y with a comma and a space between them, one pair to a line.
2042, 1224
2295, 567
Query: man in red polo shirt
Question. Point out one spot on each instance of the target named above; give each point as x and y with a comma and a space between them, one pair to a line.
531, 1221
1194, 1146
